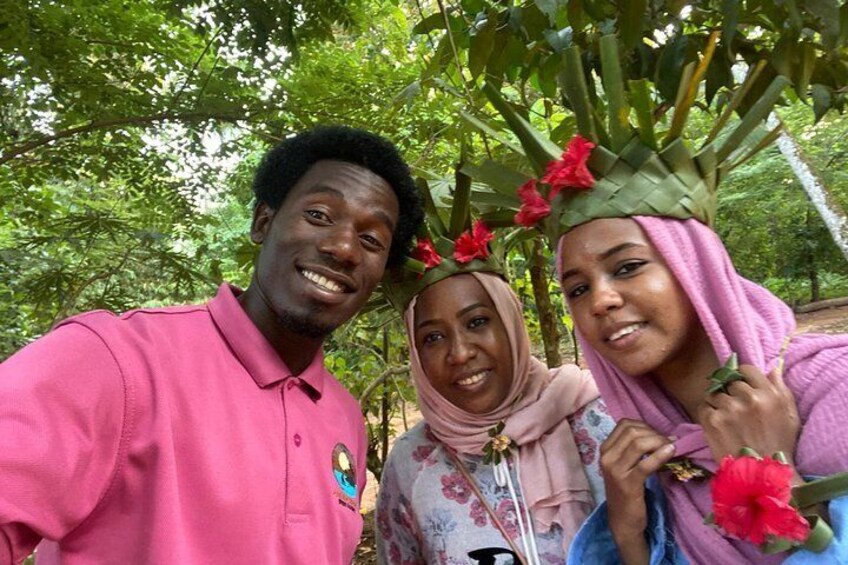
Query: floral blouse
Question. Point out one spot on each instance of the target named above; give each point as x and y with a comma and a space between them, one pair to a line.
428, 514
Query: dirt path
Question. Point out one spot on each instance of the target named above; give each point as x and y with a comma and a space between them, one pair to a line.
832, 320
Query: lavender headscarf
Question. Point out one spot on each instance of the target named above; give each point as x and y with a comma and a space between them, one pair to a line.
739, 316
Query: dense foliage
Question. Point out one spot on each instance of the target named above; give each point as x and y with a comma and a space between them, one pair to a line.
129, 132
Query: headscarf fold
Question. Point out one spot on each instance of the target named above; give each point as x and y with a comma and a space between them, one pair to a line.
738, 316
535, 414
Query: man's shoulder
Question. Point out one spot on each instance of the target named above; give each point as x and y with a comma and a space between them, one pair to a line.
96, 319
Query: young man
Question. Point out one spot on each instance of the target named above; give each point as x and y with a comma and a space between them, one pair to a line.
212, 433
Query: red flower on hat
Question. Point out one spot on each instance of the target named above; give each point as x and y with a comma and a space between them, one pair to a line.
426, 252
751, 500
570, 171
474, 244
534, 207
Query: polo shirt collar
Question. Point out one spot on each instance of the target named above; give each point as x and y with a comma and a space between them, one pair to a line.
252, 349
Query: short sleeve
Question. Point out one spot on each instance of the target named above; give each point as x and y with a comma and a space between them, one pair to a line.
62, 406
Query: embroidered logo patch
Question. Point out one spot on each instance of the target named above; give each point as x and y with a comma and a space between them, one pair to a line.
345, 474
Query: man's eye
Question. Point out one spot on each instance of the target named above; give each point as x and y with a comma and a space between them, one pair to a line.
318, 215
373, 242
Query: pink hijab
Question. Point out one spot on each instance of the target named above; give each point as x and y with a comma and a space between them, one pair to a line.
739, 316
535, 414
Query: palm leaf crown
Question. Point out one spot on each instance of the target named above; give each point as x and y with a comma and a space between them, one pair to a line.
635, 172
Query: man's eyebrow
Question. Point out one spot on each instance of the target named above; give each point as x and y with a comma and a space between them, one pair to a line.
323, 188
336, 193
462, 312
605, 255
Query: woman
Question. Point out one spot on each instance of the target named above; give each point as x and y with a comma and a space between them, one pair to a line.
440, 501
658, 307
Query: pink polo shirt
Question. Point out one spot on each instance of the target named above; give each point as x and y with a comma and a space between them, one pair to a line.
175, 435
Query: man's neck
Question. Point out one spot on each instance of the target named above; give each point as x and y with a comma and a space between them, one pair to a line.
296, 351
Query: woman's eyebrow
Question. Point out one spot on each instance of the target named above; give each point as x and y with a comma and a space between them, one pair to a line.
463, 311
604, 255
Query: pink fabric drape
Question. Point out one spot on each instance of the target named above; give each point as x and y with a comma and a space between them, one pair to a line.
535, 414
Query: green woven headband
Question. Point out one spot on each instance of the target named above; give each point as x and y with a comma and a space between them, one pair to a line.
433, 261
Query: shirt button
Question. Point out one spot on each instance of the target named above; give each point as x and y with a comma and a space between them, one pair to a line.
297, 440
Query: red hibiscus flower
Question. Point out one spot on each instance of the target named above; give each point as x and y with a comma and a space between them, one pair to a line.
425, 252
570, 171
751, 500
533, 205
473, 245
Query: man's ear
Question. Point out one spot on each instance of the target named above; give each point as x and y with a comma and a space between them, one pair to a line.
263, 215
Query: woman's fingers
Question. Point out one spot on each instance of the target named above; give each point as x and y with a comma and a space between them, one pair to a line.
653, 462
630, 444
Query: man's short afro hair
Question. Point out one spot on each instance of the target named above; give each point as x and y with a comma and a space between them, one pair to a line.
283, 166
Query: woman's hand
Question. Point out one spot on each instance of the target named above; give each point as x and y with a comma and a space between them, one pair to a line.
759, 413
629, 455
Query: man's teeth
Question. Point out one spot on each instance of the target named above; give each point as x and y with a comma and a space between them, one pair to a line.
473, 379
323, 282
625, 331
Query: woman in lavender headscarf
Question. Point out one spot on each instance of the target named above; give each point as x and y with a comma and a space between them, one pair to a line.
658, 306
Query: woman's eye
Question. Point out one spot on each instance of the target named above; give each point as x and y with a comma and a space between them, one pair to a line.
577, 291
629, 267
478, 322
318, 215
431, 338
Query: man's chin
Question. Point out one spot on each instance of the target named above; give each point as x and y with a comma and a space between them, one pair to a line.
306, 325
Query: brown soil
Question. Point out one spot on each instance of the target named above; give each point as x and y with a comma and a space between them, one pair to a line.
831, 320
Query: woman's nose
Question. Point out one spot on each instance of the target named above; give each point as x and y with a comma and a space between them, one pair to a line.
605, 297
462, 350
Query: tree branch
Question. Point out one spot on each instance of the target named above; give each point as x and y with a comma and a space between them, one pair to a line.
13, 151
391, 371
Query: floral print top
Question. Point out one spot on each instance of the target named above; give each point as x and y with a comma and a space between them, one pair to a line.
428, 514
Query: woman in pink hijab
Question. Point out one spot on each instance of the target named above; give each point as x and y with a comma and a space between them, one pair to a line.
658, 306
442, 499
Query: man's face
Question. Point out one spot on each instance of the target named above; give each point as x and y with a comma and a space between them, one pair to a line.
325, 248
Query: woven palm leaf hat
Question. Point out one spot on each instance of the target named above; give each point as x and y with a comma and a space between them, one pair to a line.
441, 250
615, 168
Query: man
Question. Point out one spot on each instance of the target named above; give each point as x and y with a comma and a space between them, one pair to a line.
212, 433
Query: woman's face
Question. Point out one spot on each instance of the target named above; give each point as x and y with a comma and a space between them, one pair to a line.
626, 302
463, 344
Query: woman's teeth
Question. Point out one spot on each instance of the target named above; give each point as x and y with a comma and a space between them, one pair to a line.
625, 331
473, 379
323, 282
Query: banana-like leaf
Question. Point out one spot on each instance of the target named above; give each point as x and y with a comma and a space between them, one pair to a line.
491, 132
539, 149
437, 227
618, 109
758, 112
499, 177
499, 219
460, 219
640, 97
736, 100
573, 84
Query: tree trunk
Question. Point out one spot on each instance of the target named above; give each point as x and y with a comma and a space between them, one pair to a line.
831, 212
547, 314
812, 271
